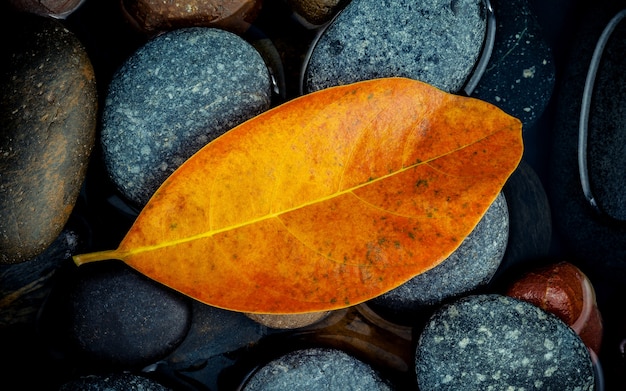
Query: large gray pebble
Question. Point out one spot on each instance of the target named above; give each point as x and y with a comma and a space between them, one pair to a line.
437, 42
174, 95
493, 342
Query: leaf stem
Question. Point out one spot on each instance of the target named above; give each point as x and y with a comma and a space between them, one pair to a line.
81, 259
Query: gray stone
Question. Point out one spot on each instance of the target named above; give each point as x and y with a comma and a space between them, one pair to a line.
316, 369
173, 96
112, 382
520, 74
468, 268
496, 342
436, 42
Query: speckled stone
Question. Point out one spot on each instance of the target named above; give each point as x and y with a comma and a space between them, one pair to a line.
173, 96
113, 382
288, 321
316, 369
520, 75
48, 109
437, 42
486, 342
114, 318
153, 16
468, 268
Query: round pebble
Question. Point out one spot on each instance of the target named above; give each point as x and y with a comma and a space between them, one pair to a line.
437, 42
113, 382
316, 369
493, 342
173, 96
469, 267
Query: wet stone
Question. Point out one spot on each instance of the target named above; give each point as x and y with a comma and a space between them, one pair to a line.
468, 268
173, 96
55, 8
520, 75
112, 382
153, 16
436, 42
499, 342
47, 130
119, 318
316, 12
316, 369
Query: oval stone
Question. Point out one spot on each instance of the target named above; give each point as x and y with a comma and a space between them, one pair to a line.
437, 42
48, 110
496, 342
112, 382
316, 369
174, 95
468, 268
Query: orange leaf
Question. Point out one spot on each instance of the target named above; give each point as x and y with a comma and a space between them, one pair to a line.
326, 201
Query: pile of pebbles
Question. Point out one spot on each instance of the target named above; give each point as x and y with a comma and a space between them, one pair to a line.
102, 101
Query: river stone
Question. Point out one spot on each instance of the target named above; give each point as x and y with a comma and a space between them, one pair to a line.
468, 268
437, 42
316, 369
316, 12
112, 382
520, 75
55, 8
48, 110
494, 342
119, 318
596, 243
153, 16
174, 95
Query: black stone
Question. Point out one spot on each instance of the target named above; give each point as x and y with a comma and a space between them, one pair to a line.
173, 96
520, 75
496, 342
113, 382
437, 42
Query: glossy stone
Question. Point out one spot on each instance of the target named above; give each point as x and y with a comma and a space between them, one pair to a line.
174, 95
496, 341
55, 8
153, 16
47, 129
436, 42
467, 269
316, 12
112, 382
316, 369
520, 75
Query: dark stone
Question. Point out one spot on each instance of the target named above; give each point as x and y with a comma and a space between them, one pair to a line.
316, 369
173, 96
153, 16
437, 43
113, 382
119, 318
530, 223
496, 342
520, 75
593, 241
55, 8
47, 129
467, 269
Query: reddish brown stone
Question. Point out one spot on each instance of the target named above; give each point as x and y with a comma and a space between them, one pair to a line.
55, 8
316, 12
153, 16
565, 291
47, 128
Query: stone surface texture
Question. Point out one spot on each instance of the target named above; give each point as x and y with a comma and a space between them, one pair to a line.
47, 130
496, 342
316, 369
468, 268
55, 8
436, 42
316, 12
520, 75
113, 382
153, 16
174, 95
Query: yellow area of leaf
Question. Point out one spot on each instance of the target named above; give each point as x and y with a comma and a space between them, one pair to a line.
326, 201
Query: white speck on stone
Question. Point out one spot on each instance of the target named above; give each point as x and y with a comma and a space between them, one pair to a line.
525, 361
145, 150
447, 379
498, 99
527, 109
529, 72
438, 338
464, 342
134, 170
513, 334
549, 371
538, 383
548, 356
548, 344
497, 375
544, 62
480, 377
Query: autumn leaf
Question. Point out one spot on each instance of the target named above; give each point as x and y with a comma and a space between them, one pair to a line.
326, 201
